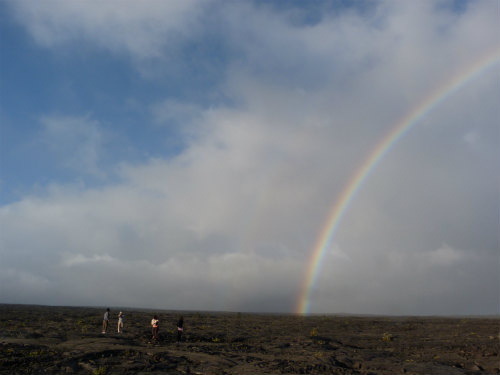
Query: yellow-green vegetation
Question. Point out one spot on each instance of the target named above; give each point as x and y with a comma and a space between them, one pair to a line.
318, 355
216, 339
35, 353
82, 325
314, 332
387, 337
100, 371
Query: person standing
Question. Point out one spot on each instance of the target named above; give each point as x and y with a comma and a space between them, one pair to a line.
120, 322
155, 327
180, 328
105, 321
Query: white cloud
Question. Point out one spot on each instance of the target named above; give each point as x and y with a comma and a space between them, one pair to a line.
229, 222
445, 255
78, 259
142, 29
472, 139
175, 111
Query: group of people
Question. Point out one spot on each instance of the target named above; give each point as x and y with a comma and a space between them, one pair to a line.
155, 325
105, 322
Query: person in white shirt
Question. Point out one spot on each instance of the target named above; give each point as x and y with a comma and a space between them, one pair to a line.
120, 322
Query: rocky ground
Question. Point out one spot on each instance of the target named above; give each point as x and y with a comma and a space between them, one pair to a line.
68, 340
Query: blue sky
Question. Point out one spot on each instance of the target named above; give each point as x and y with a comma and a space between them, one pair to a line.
193, 150
92, 83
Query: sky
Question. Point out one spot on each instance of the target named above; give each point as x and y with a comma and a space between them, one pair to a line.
186, 155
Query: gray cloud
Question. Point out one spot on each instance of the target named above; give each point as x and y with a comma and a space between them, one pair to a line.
230, 222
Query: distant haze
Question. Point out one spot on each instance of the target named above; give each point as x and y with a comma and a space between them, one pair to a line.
187, 155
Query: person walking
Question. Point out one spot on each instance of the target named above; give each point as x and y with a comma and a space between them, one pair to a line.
105, 321
180, 329
155, 327
120, 322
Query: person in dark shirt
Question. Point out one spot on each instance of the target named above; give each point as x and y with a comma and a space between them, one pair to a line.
105, 321
180, 328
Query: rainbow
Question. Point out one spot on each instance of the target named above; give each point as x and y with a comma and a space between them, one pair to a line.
401, 128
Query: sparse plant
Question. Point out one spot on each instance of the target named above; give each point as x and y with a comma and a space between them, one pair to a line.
35, 353
101, 370
82, 325
314, 332
216, 339
387, 337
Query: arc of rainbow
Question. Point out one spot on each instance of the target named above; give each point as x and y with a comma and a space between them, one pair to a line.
398, 131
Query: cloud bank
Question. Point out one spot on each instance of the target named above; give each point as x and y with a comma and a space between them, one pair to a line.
229, 221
